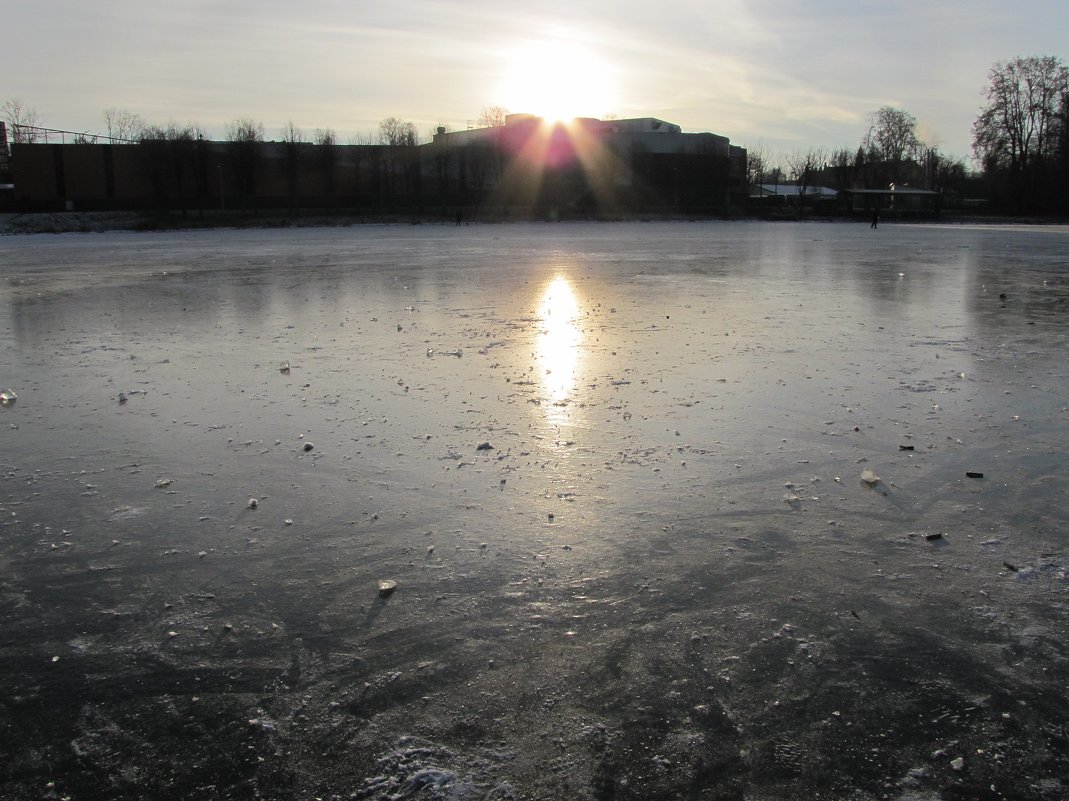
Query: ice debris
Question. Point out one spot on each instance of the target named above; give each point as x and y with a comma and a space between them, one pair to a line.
8, 398
387, 587
422, 769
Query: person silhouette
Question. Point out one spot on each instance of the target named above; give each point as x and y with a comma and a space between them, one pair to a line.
875, 217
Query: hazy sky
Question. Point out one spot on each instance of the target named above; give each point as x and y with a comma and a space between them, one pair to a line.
774, 73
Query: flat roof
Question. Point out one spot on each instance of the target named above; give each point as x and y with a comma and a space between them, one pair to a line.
905, 191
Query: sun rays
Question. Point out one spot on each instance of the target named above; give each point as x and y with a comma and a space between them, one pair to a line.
546, 158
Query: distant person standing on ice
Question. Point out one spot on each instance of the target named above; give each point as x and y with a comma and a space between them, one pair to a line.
875, 217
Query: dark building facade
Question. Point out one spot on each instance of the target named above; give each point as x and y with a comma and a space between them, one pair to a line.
589, 165
526, 167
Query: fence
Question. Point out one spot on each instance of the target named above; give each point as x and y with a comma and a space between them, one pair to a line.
34, 134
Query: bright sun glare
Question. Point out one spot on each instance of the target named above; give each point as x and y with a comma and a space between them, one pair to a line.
557, 80
560, 338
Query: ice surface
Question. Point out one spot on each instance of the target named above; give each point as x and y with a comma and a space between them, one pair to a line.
612, 601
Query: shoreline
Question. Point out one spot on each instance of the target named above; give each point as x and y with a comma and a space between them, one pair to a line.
15, 223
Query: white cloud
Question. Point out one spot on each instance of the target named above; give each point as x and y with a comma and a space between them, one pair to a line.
756, 70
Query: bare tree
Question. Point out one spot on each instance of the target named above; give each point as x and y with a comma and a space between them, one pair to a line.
396, 132
244, 138
174, 161
803, 165
842, 163
774, 172
758, 163
245, 130
359, 147
1020, 133
942, 172
292, 134
755, 168
492, 117
293, 137
22, 120
326, 141
1019, 124
892, 138
123, 125
399, 138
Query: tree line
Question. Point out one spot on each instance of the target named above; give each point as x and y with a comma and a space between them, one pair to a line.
1021, 137
1020, 145
179, 163
891, 153
124, 126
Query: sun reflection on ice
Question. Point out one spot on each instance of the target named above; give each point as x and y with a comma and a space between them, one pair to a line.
559, 341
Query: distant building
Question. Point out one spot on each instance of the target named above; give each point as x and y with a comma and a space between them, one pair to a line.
897, 201
592, 165
903, 200
793, 191
526, 167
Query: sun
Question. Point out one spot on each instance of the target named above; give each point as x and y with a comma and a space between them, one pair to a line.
558, 80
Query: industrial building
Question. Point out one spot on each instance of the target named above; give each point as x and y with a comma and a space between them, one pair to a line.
527, 167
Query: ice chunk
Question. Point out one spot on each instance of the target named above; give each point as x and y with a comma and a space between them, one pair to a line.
387, 587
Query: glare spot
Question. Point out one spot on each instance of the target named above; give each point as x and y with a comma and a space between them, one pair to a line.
559, 339
558, 80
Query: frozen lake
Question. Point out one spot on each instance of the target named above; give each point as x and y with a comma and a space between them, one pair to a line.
616, 471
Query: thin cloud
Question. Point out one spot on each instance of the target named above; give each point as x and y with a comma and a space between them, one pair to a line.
756, 70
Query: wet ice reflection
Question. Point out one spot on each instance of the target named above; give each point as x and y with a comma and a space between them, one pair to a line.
559, 341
